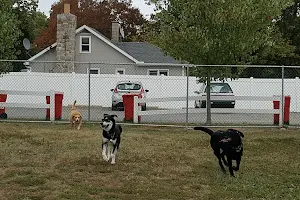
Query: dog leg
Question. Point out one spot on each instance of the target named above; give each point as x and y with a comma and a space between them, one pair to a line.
79, 125
113, 156
217, 154
238, 161
104, 149
224, 160
221, 165
109, 149
230, 167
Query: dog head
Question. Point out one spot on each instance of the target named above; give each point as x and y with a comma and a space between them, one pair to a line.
108, 122
234, 139
77, 118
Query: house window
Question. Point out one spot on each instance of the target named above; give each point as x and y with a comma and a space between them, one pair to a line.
94, 70
158, 72
85, 44
120, 71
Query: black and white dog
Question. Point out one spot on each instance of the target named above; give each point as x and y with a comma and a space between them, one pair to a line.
226, 143
111, 137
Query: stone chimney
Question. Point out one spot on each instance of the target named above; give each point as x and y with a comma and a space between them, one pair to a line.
115, 31
65, 38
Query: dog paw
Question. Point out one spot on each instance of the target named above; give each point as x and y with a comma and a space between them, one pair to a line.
113, 162
105, 158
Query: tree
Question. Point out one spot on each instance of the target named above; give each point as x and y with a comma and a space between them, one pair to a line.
31, 22
277, 52
96, 14
9, 34
289, 24
217, 32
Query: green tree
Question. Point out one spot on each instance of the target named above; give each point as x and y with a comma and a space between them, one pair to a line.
30, 23
289, 24
277, 52
9, 34
217, 32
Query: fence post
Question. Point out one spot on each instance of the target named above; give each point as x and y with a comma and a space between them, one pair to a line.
135, 110
52, 105
251, 89
286, 117
282, 96
276, 105
89, 107
187, 95
208, 101
297, 93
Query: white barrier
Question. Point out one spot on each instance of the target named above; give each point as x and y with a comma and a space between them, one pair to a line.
50, 93
76, 87
138, 112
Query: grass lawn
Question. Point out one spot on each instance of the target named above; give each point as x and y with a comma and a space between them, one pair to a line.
51, 161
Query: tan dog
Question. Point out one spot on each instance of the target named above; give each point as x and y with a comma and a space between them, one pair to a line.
75, 117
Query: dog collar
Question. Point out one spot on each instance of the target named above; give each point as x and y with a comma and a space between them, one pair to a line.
238, 148
112, 134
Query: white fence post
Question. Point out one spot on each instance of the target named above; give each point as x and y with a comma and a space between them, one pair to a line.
52, 105
135, 110
296, 84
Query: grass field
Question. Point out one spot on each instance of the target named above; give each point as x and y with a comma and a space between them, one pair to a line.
50, 161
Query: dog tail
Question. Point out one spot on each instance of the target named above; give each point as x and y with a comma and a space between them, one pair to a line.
73, 106
206, 130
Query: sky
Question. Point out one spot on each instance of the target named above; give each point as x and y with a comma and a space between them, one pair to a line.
45, 6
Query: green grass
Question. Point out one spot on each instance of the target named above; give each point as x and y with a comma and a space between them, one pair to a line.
51, 161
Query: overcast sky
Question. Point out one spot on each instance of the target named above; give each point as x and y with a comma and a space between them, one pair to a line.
45, 6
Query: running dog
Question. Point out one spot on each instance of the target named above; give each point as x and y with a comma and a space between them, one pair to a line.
75, 117
226, 143
111, 138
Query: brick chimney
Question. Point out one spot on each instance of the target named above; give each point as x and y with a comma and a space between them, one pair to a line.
115, 31
65, 38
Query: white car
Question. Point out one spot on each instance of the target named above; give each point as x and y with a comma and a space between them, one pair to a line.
216, 89
127, 87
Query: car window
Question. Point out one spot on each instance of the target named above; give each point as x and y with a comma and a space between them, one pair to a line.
129, 86
219, 88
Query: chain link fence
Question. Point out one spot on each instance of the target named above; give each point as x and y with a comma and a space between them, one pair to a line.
174, 95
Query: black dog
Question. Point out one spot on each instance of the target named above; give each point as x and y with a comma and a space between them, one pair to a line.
226, 143
111, 136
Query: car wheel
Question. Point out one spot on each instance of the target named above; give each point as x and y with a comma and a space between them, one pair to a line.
3, 116
196, 105
144, 107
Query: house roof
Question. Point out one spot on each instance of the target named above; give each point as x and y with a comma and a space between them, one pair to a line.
145, 52
138, 52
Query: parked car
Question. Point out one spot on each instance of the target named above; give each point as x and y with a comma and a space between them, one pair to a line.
127, 87
216, 89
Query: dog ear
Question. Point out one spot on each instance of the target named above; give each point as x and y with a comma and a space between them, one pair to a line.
104, 115
241, 134
115, 116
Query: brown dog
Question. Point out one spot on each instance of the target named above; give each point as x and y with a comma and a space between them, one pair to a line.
75, 117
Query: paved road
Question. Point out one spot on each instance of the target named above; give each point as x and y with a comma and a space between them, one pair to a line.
96, 114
